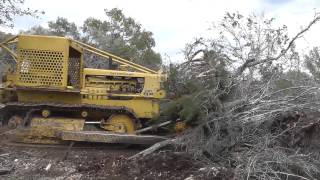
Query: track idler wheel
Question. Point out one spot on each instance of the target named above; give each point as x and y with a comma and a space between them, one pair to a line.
119, 123
14, 122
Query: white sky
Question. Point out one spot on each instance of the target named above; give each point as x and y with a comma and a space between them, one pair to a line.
177, 22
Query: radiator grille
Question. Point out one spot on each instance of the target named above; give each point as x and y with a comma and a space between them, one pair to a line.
41, 68
74, 72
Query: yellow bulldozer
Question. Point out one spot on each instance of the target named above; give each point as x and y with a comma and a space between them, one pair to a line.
50, 97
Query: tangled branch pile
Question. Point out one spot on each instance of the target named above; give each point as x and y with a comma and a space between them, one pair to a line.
257, 110
270, 138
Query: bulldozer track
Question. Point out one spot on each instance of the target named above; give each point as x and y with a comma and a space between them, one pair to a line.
28, 108
76, 146
99, 136
68, 107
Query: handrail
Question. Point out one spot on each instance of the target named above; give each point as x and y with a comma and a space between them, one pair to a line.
114, 57
86, 47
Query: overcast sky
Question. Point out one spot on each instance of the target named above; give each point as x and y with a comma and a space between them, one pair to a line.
177, 22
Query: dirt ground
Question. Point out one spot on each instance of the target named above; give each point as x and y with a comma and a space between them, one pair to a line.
102, 162
92, 161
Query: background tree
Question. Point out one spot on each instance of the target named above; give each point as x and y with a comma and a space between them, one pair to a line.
118, 34
8, 10
62, 27
11, 8
122, 36
6, 61
312, 63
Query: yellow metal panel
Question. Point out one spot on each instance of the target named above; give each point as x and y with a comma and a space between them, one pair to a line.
47, 130
67, 124
42, 61
143, 108
101, 72
151, 87
45, 96
53, 43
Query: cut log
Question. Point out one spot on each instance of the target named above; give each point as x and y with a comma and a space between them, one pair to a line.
5, 170
154, 148
152, 127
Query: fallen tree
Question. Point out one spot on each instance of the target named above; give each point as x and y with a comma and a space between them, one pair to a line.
258, 116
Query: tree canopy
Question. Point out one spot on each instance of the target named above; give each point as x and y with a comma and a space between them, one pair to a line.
11, 8
117, 34
123, 36
312, 63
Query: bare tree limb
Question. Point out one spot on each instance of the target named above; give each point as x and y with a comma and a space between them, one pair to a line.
153, 148
254, 62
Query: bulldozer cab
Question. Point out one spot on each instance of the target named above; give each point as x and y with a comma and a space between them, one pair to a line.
48, 62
